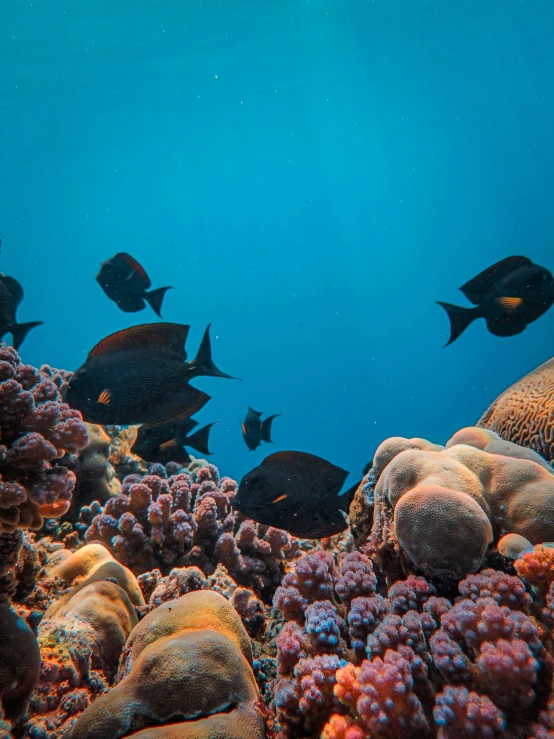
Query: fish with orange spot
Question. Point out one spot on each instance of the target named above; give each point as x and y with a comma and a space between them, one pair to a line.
125, 282
166, 442
140, 375
298, 492
254, 430
509, 296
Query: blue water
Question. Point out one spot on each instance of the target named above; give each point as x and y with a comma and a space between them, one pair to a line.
309, 175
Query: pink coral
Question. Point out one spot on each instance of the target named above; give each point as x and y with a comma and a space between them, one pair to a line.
187, 519
36, 430
460, 713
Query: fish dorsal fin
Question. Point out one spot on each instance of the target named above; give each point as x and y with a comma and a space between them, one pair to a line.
319, 472
16, 291
257, 413
186, 425
134, 265
168, 338
476, 288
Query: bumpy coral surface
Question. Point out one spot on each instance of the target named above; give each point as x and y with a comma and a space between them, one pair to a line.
81, 636
187, 519
411, 663
36, 431
441, 509
524, 413
185, 672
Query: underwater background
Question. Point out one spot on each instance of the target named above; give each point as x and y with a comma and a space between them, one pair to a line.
309, 175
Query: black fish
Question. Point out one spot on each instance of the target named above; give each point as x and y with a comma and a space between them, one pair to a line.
254, 430
165, 442
11, 295
139, 375
509, 296
297, 492
124, 280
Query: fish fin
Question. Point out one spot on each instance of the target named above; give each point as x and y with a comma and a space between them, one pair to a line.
258, 413
169, 445
195, 400
165, 337
105, 397
460, 318
155, 299
506, 325
479, 286
347, 497
134, 265
20, 331
203, 363
279, 498
16, 291
510, 305
186, 425
322, 474
266, 428
199, 440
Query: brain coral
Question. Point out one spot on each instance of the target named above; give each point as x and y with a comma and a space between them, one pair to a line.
36, 430
524, 413
440, 510
185, 673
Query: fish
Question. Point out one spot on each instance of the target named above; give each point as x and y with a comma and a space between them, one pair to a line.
11, 295
166, 442
254, 430
509, 296
125, 282
139, 375
297, 492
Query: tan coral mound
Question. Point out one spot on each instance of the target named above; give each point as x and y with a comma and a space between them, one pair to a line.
440, 510
187, 664
93, 562
524, 413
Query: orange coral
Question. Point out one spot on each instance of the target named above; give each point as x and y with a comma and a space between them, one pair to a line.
537, 567
341, 727
524, 412
186, 671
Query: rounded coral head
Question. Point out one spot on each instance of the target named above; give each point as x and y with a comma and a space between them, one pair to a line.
512, 546
454, 523
473, 436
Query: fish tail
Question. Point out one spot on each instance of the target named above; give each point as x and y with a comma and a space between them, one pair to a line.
460, 318
155, 298
20, 331
266, 428
200, 439
203, 364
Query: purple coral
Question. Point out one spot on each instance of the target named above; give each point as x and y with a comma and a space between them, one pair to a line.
36, 430
363, 618
357, 578
323, 627
460, 713
507, 590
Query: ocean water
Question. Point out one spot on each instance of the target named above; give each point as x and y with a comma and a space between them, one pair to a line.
309, 175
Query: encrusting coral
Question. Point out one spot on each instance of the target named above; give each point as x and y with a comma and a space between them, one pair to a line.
185, 672
439, 509
524, 413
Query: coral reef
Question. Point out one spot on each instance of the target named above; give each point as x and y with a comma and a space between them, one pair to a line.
36, 431
96, 478
438, 510
411, 663
186, 519
81, 636
186, 672
524, 412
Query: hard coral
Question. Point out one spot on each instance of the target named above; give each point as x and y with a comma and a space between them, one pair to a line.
81, 637
479, 664
187, 520
186, 672
36, 431
438, 511
524, 412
